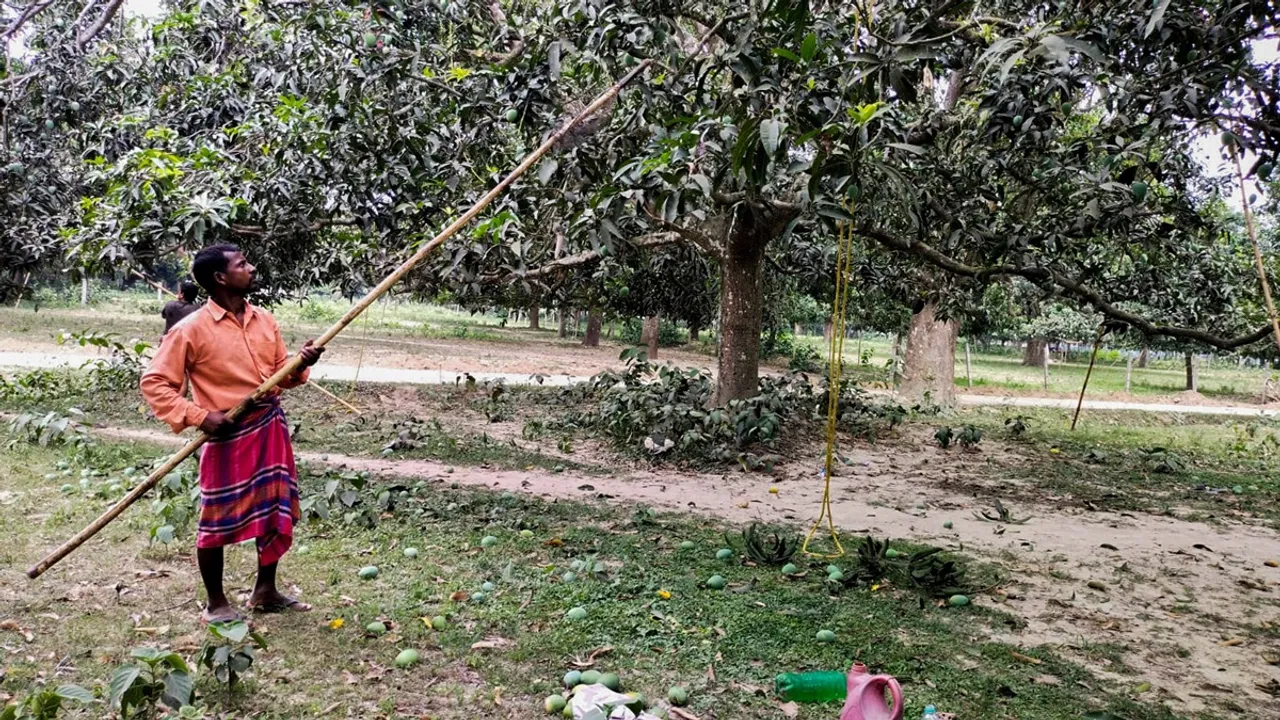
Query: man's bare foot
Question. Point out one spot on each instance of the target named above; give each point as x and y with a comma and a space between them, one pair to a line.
224, 613
274, 601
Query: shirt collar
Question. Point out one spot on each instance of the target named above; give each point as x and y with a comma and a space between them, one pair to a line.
218, 312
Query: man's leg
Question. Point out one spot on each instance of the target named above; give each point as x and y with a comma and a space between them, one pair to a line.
210, 561
267, 596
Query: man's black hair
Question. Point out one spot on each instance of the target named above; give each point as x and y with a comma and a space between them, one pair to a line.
210, 260
188, 291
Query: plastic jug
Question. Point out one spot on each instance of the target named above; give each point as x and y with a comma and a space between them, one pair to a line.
864, 698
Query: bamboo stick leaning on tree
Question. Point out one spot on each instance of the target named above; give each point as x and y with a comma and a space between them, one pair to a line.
1253, 239
295, 362
1097, 342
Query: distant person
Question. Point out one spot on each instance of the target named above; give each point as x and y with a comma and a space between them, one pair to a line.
175, 310
248, 482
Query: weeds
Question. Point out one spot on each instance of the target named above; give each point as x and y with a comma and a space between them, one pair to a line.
156, 677
773, 549
230, 651
664, 411
46, 704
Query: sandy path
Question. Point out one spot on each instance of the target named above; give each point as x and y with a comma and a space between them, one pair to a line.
1193, 605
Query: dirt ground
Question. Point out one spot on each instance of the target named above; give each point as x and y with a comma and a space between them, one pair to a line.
1186, 611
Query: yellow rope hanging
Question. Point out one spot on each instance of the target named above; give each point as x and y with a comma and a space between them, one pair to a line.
835, 367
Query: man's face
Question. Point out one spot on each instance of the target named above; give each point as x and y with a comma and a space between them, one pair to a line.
240, 277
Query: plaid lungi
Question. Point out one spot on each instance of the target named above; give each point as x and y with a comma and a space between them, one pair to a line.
249, 486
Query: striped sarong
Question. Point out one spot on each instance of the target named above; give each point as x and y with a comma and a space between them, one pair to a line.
249, 486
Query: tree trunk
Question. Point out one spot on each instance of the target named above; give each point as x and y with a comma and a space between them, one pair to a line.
1142, 357
534, 311
693, 333
1193, 380
1033, 356
84, 289
827, 330
592, 337
741, 308
649, 335
563, 330
929, 371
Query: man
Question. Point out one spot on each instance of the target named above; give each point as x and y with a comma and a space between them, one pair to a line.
175, 310
248, 484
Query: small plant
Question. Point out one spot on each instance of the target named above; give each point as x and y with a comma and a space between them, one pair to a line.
177, 501
1017, 425
46, 704
48, 428
770, 549
944, 436
122, 370
644, 516
970, 436
1161, 460
497, 406
873, 559
230, 652
938, 577
341, 493
1003, 515
156, 677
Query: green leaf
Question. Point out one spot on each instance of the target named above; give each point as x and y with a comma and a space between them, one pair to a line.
809, 47
913, 149
175, 661
122, 680
547, 169
233, 630
177, 689
74, 692
785, 53
1157, 16
145, 653
164, 534
240, 662
771, 135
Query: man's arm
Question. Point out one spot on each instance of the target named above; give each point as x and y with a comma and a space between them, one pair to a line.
162, 384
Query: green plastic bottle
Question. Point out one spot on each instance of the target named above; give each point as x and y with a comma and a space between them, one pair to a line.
811, 687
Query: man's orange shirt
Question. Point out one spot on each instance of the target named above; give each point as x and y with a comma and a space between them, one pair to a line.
225, 361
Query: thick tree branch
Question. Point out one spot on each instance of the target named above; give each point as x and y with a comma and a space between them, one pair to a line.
261, 231
97, 27
1042, 275
31, 11
582, 258
703, 242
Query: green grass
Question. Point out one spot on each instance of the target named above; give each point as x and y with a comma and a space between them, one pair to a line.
763, 624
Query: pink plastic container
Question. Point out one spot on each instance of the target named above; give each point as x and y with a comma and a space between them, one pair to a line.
865, 698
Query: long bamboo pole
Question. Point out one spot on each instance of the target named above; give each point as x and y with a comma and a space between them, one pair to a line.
335, 398
295, 362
